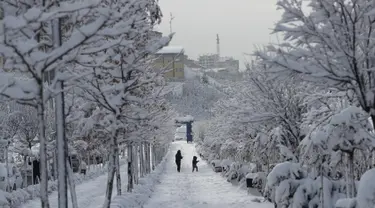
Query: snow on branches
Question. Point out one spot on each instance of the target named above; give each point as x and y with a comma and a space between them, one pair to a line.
102, 51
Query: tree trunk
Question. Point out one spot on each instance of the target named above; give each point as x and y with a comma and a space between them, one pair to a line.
117, 160
142, 159
42, 150
7, 169
135, 164
148, 158
24, 182
130, 168
55, 166
111, 175
351, 182
62, 148
88, 162
72, 186
153, 157
321, 186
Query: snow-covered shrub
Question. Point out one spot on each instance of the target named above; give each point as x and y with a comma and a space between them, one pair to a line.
366, 190
245, 169
232, 172
226, 163
259, 180
346, 203
4, 196
289, 185
282, 183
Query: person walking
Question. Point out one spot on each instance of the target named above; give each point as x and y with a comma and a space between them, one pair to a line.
36, 170
194, 163
83, 167
178, 160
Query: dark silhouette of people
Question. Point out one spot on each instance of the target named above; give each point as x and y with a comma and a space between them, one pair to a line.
178, 160
36, 170
195, 162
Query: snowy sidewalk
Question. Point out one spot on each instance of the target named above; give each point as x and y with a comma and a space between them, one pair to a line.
89, 194
203, 189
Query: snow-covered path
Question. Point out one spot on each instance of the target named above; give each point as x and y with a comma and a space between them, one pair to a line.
203, 189
90, 194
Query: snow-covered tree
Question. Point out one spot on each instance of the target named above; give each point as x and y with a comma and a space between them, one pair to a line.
332, 46
116, 64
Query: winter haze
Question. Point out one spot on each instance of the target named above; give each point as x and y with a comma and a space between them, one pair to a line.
241, 24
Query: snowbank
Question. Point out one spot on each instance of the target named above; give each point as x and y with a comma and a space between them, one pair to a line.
366, 193
20, 196
346, 203
142, 191
185, 119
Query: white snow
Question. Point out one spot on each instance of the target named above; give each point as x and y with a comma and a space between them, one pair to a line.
366, 190
90, 194
171, 50
165, 187
199, 189
187, 118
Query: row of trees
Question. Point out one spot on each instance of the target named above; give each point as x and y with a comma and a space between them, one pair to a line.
304, 112
90, 61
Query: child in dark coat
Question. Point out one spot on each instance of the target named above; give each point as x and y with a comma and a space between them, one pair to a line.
195, 162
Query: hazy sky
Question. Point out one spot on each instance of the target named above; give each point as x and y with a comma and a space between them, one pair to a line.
241, 24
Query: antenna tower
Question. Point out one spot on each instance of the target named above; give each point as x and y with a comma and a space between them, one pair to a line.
170, 22
218, 45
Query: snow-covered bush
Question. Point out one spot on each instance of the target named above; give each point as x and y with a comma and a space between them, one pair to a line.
259, 180
366, 193
21, 196
282, 183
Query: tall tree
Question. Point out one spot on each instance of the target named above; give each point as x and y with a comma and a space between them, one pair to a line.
332, 46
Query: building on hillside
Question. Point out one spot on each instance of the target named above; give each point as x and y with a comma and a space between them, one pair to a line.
191, 63
171, 60
212, 61
208, 60
229, 63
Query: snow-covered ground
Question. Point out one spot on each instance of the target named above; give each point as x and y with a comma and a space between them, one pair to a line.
203, 189
89, 194
199, 189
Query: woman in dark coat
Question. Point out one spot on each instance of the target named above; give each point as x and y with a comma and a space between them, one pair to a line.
178, 160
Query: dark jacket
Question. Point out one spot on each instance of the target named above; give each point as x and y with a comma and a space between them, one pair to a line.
36, 167
178, 157
195, 161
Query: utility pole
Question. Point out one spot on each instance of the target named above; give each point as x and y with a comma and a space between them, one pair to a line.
170, 22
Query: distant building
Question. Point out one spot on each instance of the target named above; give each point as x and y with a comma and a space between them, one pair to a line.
229, 63
213, 61
171, 59
191, 63
208, 60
